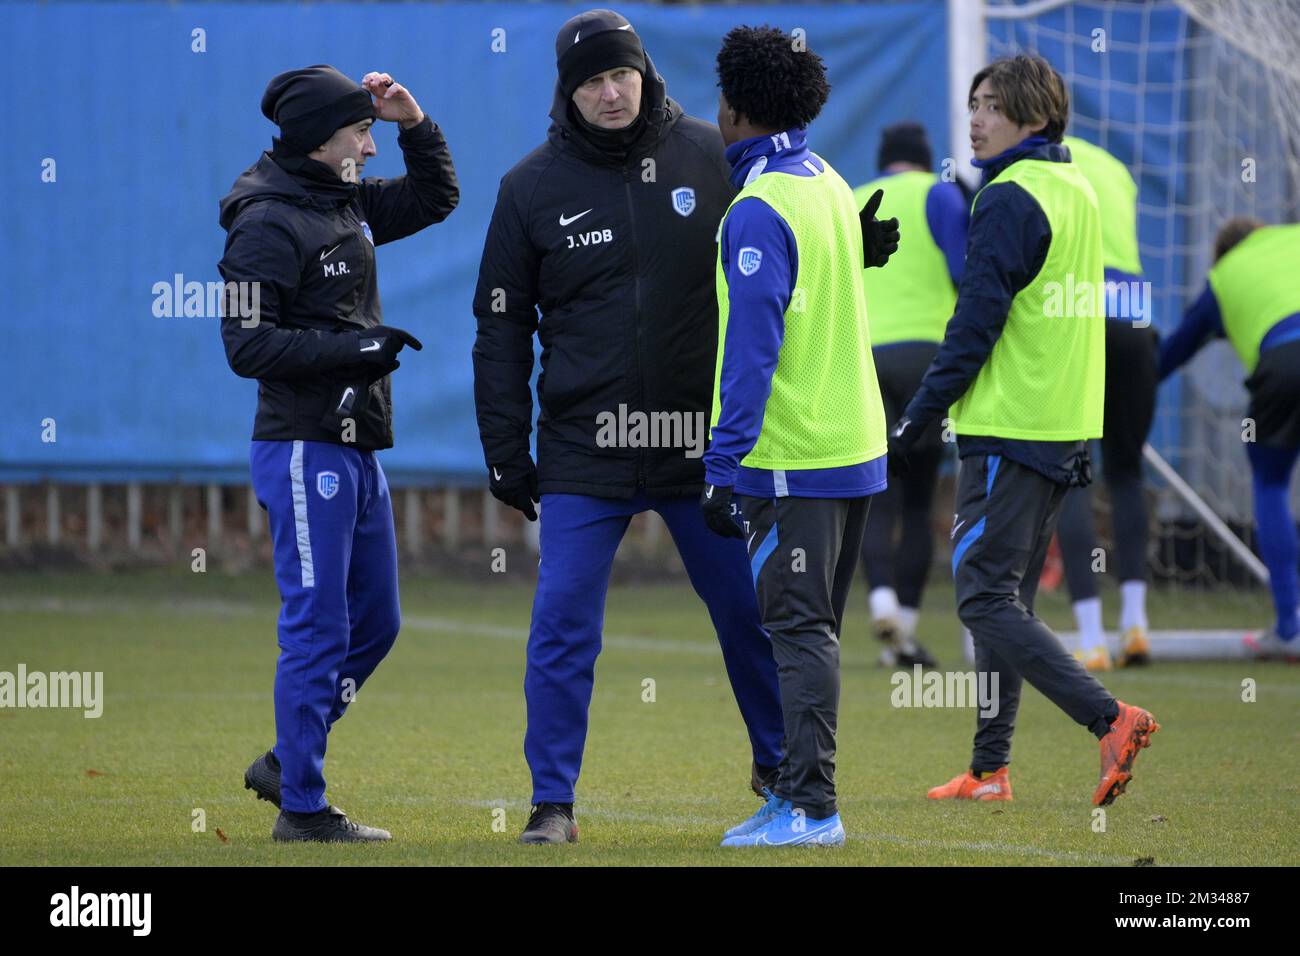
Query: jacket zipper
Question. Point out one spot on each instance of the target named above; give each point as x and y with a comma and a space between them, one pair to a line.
636, 318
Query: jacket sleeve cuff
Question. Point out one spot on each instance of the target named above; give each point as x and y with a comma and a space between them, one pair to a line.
916, 411
418, 134
719, 474
346, 348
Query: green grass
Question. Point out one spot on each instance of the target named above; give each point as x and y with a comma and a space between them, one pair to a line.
433, 745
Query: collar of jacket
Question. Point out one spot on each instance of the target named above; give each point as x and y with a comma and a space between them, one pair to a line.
1033, 147
267, 179
773, 152
659, 111
316, 179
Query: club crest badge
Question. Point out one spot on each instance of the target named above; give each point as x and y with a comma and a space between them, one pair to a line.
749, 259
327, 484
684, 200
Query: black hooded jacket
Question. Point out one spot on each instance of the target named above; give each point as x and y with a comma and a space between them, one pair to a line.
307, 239
618, 252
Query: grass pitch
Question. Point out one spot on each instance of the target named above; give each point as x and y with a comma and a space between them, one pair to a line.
432, 747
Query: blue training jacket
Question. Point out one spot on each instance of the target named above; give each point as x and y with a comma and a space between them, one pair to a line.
756, 327
1008, 243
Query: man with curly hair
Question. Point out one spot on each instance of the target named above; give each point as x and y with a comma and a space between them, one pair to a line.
798, 428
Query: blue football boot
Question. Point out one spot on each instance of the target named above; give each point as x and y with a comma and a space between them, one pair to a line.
789, 827
762, 818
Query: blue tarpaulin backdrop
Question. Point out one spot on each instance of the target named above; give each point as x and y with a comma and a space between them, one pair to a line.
147, 135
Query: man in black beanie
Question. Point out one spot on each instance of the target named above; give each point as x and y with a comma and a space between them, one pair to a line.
302, 229
609, 228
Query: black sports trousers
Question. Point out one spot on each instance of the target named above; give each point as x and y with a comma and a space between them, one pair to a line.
803, 552
1274, 389
1006, 514
1131, 377
898, 546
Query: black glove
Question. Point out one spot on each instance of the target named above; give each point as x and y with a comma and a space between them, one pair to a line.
879, 239
515, 484
349, 402
901, 439
377, 347
719, 513
1081, 470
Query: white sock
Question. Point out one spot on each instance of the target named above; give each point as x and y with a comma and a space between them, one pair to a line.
1087, 614
907, 620
884, 604
1133, 605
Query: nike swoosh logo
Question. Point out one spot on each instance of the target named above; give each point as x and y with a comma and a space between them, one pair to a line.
374, 346
956, 528
326, 255
347, 393
565, 221
496, 475
708, 492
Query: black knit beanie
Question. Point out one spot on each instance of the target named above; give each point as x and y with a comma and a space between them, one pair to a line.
904, 143
592, 43
309, 105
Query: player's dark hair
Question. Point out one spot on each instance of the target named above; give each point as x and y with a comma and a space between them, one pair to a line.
771, 77
1029, 92
1232, 232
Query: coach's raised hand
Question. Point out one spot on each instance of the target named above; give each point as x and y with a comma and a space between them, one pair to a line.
392, 101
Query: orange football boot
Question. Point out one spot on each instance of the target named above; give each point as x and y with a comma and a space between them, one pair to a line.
966, 786
1096, 659
1135, 648
1130, 732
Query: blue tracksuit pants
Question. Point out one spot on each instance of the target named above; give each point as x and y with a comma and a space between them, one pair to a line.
1270, 470
579, 535
336, 566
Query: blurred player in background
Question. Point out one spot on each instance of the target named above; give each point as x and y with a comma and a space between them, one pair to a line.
908, 306
799, 432
1024, 377
1252, 297
1130, 404
622, 268
303, 225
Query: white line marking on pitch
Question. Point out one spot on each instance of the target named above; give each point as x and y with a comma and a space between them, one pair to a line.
633, 642
629, 816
